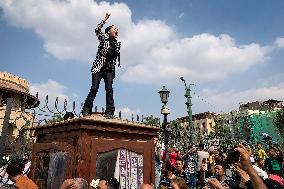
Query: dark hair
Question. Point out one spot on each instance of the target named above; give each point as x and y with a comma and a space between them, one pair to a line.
220, 164
167, 168
272, 184
9, 186
180, 182
112, 183
201, 145
179, 159
15, 167
108, 28
272, 148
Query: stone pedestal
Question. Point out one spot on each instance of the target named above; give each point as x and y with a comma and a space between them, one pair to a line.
71, 148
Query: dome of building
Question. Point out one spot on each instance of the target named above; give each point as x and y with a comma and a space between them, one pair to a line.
12, 84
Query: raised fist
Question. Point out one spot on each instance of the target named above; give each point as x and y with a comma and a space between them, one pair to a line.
107, 16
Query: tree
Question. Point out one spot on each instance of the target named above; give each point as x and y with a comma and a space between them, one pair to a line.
55, 118
279, 122
154, 121
151, 120
223, 133
178, 136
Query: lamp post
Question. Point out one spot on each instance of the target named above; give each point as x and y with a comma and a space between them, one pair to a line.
189, 111
165, 111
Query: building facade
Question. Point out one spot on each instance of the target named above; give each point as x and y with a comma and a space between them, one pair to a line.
257, 118
14, 101
203, 124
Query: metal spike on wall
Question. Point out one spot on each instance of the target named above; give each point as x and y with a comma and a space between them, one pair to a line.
96, 109
119, 114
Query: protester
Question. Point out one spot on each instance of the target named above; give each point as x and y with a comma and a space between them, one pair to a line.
260, 163
174, 155
108, 183
273, 163
104, 67
158, 161
75, 183
259, 171
15, 170
245, 179
202, 155
146, 186
220, 178
9, 186
246, 165
179, 183
191, 165
167, 175
260, 151
180, 172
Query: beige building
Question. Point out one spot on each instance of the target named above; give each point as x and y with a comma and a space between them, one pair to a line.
17, 89
260, 106
202, 122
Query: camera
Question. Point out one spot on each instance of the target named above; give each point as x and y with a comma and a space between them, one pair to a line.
233, 157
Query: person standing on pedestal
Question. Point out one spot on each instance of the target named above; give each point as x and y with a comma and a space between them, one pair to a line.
104, 67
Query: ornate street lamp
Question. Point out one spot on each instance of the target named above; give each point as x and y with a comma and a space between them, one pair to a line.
164, 95
165, 111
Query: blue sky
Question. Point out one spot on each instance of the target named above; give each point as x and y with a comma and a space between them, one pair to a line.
232, 50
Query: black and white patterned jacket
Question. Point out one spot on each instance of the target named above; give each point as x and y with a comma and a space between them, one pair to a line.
108, 50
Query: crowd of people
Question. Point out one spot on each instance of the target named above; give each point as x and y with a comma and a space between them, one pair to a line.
244, 166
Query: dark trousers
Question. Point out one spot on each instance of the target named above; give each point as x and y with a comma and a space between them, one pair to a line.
108, 76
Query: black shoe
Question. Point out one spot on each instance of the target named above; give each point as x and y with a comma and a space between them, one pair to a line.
109, 116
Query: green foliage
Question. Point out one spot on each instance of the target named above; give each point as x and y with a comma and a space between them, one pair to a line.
178, 136
151, 120
279, 122
56, 118
223, 133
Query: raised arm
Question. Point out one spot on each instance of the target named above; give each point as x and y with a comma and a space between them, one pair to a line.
246, 165
98, 29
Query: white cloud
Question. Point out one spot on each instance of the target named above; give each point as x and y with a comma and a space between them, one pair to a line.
231, 99
127, 112
201, 57
66, 27
51, 88
151, 49
279, 42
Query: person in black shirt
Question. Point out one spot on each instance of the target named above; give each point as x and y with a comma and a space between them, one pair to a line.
104, 67
180, 172
167, 175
